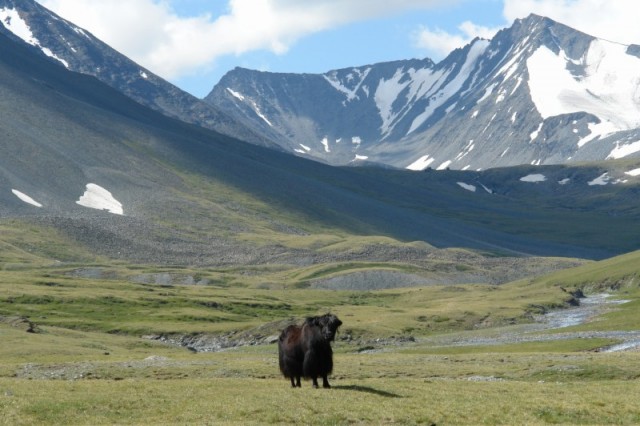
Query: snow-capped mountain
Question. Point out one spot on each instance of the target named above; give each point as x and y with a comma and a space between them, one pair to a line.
78, 50
538, 93
130, 183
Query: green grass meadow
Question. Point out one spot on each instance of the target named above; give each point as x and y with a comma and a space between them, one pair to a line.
88, 363
266, 401
242, 387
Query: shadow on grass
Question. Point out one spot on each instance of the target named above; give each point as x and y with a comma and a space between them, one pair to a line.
367, 389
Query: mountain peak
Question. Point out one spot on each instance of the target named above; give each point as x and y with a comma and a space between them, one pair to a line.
76, 49
533, 94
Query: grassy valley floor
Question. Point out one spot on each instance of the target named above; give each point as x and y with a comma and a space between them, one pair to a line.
87, 344
242, 387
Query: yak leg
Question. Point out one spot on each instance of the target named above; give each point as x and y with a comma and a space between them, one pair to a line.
295, 381
325, 382
315, 382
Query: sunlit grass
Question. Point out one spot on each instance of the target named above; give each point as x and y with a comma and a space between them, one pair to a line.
270, 401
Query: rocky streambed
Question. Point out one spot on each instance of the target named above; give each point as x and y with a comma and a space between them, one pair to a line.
589, 308
547, 327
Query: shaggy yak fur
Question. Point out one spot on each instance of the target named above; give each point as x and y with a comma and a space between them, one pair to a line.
305, 351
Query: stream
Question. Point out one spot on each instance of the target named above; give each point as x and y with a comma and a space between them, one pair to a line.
589, 308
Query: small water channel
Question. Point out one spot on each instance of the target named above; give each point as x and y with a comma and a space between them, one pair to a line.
589, 308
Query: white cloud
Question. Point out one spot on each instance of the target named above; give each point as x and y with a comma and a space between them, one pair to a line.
154, 35
612, 20
439, 43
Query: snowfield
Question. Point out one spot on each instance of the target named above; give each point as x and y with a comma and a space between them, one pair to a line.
607, 88
350, 93
444, 92
536, 177
251, 103
24, 197
14, 23
96, 197
621, 151
466, 186
634, 172
421, 163
601, 180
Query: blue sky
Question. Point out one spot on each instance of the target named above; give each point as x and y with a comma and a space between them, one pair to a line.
386, 38
192, 43
366, 42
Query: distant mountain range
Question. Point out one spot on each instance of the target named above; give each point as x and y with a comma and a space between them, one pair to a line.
537, 93
101, 158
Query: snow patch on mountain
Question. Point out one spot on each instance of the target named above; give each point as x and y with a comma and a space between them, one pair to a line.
443, 93
466, 186
96, 197
421, 163
601, 180
607, 88
465, 151
386, 94
488, 190
12, 21
508, 69
254, 106
487, 92
257, 110
24, 197
235, 94
634, 172
444, 165
50, 54
334, 81
621, 151
534, 135
305, 149
325, 143
533, 178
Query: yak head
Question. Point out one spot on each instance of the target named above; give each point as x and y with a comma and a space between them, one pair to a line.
328, 324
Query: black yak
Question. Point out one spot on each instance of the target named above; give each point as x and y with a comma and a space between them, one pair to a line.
305, 351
